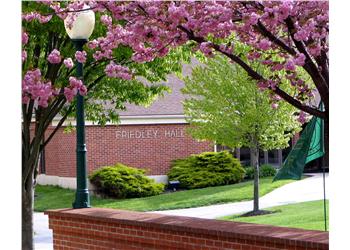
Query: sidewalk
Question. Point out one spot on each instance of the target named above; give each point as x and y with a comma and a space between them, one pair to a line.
308, 189
42, 234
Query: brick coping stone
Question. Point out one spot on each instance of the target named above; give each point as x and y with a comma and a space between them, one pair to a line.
210, 227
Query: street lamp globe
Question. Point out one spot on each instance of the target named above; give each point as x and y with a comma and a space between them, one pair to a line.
83, 24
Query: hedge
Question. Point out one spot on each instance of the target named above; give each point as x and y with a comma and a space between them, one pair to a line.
206, 170
121, 181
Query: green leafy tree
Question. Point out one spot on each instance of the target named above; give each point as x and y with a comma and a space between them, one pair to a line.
224, 105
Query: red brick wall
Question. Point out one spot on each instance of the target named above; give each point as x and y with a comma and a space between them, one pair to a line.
111, 144
105, 229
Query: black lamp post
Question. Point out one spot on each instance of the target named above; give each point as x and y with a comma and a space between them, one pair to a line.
79, 32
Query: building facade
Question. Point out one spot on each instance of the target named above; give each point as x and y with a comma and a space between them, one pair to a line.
146, 138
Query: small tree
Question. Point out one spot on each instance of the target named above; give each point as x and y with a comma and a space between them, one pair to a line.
224, 105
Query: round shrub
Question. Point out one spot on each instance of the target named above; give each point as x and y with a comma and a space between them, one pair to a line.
249, 173
206, 170
121, 181
265, 170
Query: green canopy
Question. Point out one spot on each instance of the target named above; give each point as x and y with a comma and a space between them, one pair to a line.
309, 147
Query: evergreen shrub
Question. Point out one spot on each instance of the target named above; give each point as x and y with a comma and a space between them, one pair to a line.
265, 170
206, 170
121, 181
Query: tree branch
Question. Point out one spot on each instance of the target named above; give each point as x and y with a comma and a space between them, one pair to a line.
262, 29
256, 76
57, 127
309, 66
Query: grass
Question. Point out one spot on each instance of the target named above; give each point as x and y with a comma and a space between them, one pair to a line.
52, 197
306, 215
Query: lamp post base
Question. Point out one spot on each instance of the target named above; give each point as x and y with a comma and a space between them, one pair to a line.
82, 199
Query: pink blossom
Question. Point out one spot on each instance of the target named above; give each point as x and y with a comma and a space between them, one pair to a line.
315, 50
34, 88
68, 93
54, 57
80, 56
44, 19
300, 59
274, 105
263, 85
277, 67
289, 65
68, 62
92, 44
117, 71
24, 55
264, 44
83, 90
272, 84
24, 38
301, 35
206, 48
266, 62
302, 117
106, 19
74, 82
75, 86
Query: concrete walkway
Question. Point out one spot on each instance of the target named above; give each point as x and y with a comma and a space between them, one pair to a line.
42, 234
308, 189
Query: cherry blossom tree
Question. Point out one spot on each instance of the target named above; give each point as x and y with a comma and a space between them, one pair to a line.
289, 37
49, 85
143, 38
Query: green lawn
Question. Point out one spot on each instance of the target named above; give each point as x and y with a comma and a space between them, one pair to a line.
306, 215
50, 197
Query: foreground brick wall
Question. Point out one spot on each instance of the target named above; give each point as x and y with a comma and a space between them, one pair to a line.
149, 147
104, 229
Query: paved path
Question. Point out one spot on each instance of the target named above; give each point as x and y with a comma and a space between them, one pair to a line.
308, 189
42, 234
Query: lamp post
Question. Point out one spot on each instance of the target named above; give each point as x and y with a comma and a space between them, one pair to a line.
80, 32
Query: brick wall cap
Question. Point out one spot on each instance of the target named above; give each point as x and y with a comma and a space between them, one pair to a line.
241, 230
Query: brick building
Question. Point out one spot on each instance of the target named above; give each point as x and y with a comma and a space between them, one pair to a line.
147, 138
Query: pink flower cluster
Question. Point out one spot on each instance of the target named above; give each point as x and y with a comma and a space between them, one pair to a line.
206, 48
75, 86
80, 56
24, 55
302, 117
153, 28
33, 87
24, 38
106, 20
68, 62
117, 71
54, 57
264, 44
28, 17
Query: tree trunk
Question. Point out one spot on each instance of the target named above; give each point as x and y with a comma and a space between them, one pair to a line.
27, 214
255, 164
